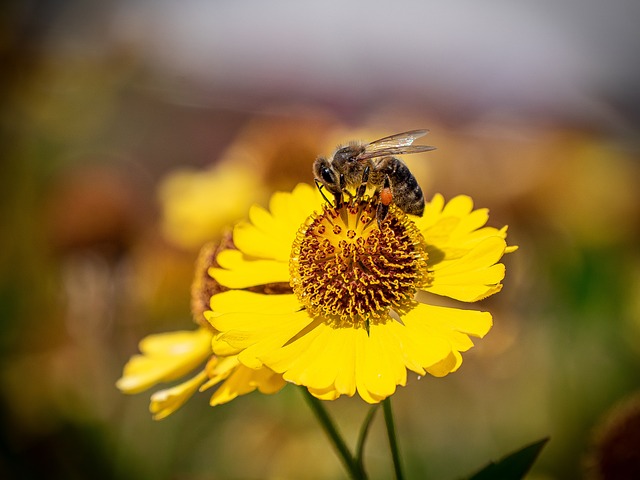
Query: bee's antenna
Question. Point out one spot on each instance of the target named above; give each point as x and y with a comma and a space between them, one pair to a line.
320, 186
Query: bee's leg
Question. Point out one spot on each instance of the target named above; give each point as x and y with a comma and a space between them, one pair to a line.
343, 192
365, 179
381, 213
320, 186
339, 197
386, 197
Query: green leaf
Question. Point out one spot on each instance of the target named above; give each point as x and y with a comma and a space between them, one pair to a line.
514, 466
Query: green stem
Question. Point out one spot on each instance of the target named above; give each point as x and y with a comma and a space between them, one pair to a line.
391, 433
355, 470
364, 431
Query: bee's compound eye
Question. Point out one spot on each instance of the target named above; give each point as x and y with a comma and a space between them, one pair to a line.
327, 175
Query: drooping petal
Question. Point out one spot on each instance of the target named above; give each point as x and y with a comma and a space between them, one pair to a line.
165, 357
235, 379
165, 402
218, 369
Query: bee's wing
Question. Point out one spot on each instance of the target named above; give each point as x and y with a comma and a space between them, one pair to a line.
397, 144
399, 139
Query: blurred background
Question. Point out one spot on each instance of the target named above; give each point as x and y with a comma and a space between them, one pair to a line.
134, 131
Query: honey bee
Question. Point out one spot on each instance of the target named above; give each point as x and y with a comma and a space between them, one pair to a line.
356, 166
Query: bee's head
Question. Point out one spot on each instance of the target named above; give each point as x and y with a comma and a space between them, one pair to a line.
325, 174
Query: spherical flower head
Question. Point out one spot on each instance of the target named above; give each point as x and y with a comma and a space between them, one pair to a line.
350, 271
352, 321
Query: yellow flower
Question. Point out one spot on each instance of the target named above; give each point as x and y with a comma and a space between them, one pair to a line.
169, 356
197, 205
352, 320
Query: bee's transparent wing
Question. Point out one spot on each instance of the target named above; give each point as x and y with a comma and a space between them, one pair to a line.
398, 144
399, 139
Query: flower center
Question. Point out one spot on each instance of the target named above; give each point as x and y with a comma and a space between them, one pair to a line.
350, 271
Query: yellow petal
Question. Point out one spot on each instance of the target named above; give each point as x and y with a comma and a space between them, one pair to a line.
323, 359
258, 334
244, 380
218, 369
441, 219
219, 346
335, 361
430, 321
261, 345
398, 346
421, 344
443, 332
238, 301
432, 212
486, 253
236, 379
165, 402
307, 360
267, 381
240, 272
270, 234
325, 394
447, 365
379, 370
297, 205
175, 343
345, 382
338, 361
458, 206
165, 357
454, 229
271, 243
473, 276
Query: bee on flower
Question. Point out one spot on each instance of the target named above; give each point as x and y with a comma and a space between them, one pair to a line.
351, 322
322, 292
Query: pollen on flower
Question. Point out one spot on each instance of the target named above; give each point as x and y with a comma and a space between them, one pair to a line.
349, 271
